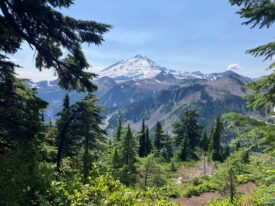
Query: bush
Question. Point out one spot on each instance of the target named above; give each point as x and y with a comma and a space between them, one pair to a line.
103, 190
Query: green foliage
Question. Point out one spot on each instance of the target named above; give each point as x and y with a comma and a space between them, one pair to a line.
20, 20
22, 178
151, 172
159, 138
119, 130
104, 190
260, 13
142, 141
21, 108
162, 144
128, 158
188, 128
188, 135
215, 147
79, 130
250, 133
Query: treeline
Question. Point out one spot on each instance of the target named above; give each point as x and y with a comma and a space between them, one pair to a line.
189, 142
37, 152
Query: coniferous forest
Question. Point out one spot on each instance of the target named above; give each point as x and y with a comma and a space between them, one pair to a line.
75, 160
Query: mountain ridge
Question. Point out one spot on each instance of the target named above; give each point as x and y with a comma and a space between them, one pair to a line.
136, 88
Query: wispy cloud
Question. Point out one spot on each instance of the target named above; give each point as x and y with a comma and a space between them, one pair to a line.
234, 67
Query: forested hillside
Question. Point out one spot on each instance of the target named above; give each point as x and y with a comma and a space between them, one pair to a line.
193, 142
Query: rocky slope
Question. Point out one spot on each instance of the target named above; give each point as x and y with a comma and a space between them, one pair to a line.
138, 88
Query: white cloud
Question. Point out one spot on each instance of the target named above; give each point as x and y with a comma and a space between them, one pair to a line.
234, 67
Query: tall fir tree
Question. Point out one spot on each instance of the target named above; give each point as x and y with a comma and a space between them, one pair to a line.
215, 147
142, 141
64, 137
115, 163
159, 138
167, 149
148, 142
88, 126
189, 128
119, 130
128, 158
188, 133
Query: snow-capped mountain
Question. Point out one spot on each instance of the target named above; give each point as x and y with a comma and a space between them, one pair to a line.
138, 88
138, 67
141, 67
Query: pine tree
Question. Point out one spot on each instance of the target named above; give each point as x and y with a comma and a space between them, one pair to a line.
142, 141
88, 125
119, 130
159, 138
115, 163
188, 127
148, 142
20, 21
184, 150
128, 158
79, 128
215, 147
204, 142
167, 150
260, 13
188, 134
63, 127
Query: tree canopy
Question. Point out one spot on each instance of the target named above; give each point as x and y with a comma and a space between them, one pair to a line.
260, 13
55, 37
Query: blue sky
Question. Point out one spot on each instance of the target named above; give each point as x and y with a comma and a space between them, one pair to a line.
185, 35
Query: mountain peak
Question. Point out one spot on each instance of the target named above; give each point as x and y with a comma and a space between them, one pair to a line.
138, 67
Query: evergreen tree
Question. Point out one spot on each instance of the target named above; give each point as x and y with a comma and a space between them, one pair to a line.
80, 128
128, 158
184, 150
148, 141
166, 150
188, 127
215, 147
159, 138
260, 13
22, 21
142, 141
204, 142
115, 163
64, 138
119, 130
188, 134
88, 125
